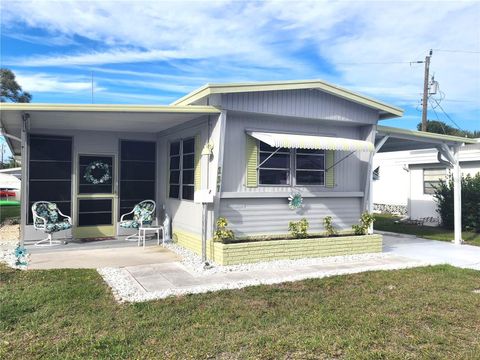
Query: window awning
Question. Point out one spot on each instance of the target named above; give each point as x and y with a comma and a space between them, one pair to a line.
294, 141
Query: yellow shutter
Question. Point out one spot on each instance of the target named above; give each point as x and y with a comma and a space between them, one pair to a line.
198, 163
252, 162
330, 174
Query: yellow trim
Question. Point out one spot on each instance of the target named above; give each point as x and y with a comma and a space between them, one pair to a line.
94, 231
96, 196
198, 163
208, 89
108, 108
251, 158
330, 173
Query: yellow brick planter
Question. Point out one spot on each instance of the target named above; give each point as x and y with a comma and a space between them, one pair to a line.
249, 252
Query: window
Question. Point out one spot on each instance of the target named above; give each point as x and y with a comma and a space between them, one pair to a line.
50, 169
310, 167
85, 163
182, 169
137, 173
274, 167
432, 178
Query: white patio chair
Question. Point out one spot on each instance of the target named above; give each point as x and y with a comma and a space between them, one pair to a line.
143, 213
47, 218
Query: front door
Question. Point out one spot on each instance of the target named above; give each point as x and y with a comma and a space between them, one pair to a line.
96, 196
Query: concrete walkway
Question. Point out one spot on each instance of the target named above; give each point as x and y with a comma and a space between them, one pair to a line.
431, 251
163, 277
137, 274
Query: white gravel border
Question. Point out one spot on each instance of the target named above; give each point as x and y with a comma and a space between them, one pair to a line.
126, 289
194, 264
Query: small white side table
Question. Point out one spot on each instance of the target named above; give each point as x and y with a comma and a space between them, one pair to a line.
154, 228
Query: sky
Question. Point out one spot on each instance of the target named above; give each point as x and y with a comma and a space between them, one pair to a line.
153, 52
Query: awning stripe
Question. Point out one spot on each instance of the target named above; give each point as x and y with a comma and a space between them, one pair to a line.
294, 141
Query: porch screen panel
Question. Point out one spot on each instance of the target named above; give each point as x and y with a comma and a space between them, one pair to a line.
50, 169
137, 173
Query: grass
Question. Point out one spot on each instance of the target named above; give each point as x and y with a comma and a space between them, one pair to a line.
416, 313
7, 212
386, 222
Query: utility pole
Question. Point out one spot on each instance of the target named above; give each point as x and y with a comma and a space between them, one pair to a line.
425, 92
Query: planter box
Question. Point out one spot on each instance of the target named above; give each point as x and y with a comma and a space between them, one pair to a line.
249, 252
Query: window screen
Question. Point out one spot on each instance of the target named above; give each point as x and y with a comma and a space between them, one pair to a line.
95, 212
310, 167
137, 173
432, 178
274, 166
182, 169
50, 169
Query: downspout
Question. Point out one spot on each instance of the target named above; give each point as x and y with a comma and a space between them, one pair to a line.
441, 161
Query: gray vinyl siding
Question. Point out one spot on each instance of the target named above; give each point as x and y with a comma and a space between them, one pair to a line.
300, 103
271, 216
347, 173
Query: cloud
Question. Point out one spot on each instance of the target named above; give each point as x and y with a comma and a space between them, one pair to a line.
366, 46
41, 82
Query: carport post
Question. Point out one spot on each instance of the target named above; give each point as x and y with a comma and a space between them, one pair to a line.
457, 196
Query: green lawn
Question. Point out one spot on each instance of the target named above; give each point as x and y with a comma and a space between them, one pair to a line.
385, 222
427, 312
7, 212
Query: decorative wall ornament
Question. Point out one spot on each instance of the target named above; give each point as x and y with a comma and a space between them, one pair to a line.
21, 255
295, 201
97, 180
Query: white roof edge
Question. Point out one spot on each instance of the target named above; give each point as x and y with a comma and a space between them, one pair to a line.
107, 108
205, 90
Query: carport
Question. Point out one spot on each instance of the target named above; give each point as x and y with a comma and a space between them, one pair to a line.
390, 139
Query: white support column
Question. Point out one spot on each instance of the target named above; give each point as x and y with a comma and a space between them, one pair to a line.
368, 193
24, 185
457, 196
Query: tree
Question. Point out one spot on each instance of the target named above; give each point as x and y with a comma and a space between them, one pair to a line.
470, 202
439, 127
10, 89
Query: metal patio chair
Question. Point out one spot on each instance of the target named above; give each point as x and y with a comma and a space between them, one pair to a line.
49, 219
143, 214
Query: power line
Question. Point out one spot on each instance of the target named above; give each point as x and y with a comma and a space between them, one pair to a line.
459, 51
438, 118
448, 116
376, 63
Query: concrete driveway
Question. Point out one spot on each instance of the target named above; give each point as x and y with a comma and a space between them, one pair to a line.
431, 251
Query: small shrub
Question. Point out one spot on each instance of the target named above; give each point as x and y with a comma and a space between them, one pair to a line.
365, 221
328, 225
470, 202
222, 233
298, 229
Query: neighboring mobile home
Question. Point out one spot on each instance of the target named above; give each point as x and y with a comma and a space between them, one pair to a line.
250, 145
414, 174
